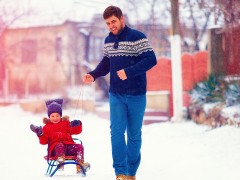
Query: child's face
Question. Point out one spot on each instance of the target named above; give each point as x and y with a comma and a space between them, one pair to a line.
55, 118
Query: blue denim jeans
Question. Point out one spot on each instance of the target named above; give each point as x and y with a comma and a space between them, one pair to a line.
126, 115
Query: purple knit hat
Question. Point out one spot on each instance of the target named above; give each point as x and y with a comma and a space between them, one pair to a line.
54, 106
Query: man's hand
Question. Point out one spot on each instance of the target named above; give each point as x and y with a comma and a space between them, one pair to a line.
121, 74
87, 78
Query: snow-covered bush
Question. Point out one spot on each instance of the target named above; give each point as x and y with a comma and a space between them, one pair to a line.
220, 95
232, 94
208, 91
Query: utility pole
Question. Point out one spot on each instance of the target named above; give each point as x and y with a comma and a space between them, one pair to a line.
176, 63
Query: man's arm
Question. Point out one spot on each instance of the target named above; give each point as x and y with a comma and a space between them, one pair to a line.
147, 61
102, 69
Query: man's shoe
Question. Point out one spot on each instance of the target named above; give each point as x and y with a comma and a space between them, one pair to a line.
131, 177
121, 177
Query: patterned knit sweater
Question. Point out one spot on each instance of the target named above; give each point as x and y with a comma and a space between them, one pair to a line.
131, 51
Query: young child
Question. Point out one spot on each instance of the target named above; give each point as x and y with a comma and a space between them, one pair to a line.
57, 133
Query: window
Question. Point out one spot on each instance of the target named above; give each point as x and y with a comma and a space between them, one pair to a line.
58, 48
29, 51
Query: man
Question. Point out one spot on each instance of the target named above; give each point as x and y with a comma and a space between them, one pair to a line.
127, 56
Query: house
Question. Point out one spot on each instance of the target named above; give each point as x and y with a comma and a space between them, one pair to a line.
43, 59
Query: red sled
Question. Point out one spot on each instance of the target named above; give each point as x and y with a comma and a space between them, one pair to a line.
54, 166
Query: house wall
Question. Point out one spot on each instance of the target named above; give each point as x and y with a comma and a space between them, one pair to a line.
49, 64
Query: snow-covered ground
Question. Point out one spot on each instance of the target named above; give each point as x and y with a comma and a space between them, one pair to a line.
170, 151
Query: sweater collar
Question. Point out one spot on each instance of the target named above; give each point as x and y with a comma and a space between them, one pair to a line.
123, 31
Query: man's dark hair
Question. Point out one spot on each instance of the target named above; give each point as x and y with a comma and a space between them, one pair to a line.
112, 10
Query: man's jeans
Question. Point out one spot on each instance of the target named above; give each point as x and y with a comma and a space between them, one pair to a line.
126, 113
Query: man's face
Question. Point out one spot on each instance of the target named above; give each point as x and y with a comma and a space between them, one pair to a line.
114, 24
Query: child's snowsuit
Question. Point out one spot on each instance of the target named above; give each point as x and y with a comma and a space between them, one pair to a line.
59, 138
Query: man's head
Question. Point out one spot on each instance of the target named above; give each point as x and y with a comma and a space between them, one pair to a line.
112, 11
113, 17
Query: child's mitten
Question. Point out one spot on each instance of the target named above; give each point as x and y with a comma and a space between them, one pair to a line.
36, 129
75, 123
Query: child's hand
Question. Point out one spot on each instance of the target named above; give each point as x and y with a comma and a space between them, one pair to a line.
36, 129
75, 123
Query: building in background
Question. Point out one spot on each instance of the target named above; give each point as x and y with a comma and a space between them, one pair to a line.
47, 58
43, 59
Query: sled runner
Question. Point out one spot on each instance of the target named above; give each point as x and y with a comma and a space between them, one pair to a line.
54, 166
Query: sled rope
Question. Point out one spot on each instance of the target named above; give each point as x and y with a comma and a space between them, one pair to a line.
79, 100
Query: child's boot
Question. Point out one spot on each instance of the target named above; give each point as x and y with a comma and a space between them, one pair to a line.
86, 166
60, 161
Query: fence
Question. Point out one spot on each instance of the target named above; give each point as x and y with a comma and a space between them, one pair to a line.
194, 70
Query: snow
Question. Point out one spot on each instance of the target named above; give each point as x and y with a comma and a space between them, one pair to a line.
170, 151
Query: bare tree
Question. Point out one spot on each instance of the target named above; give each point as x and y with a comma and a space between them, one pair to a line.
230, 10
147, 11
9, 13
152, 15
196, 16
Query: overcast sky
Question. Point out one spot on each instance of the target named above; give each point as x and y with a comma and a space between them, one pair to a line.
82, 9
38, 11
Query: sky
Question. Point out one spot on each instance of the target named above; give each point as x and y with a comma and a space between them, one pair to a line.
83, 10
54, 10
170, 151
